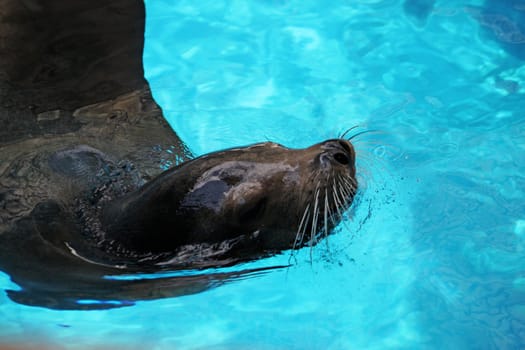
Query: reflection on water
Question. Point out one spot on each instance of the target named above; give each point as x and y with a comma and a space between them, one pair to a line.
47, 276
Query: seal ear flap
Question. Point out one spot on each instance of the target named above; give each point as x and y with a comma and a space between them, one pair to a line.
253, 212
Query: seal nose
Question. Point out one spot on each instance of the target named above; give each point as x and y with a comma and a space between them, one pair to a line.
342, 158
340, 150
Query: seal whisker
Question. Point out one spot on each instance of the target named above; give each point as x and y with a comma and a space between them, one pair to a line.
300, 231
326, 208
350, 184
343, 182
299, 238
361, 142
367, 159
338, 204
331, 214
347, 131
340, 189
301, 228
344, 207
347, 190
359, 139
337, 199
349, 180
351, 138
315, 217
343, 192
365, 175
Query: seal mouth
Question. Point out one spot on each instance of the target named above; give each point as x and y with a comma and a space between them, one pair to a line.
335, 188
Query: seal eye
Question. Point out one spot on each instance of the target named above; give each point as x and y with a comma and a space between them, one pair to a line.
341, 158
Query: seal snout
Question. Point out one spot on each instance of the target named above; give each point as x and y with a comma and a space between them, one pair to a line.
339, 151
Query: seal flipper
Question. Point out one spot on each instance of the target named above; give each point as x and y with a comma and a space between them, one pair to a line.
35, 255
52, 223
57, 232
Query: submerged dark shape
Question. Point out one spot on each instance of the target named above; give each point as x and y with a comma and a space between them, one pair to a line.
82, 192
503, 21
419, 9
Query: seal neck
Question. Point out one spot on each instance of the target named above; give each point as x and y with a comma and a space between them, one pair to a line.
142, 220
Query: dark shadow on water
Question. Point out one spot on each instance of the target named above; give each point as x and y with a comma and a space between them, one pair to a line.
98, 292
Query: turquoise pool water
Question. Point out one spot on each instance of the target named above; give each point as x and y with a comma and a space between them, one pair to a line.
433, 254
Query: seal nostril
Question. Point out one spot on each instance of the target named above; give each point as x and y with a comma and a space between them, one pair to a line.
345, 146
341, 158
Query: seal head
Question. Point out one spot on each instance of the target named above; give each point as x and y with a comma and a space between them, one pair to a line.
241, 202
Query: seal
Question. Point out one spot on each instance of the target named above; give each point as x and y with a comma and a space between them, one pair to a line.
73, 216
217, 209
239, 203
96, 189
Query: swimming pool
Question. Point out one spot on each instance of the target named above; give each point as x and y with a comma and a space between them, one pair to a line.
433, 255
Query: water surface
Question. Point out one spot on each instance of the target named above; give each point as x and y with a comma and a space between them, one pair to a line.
433, 255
